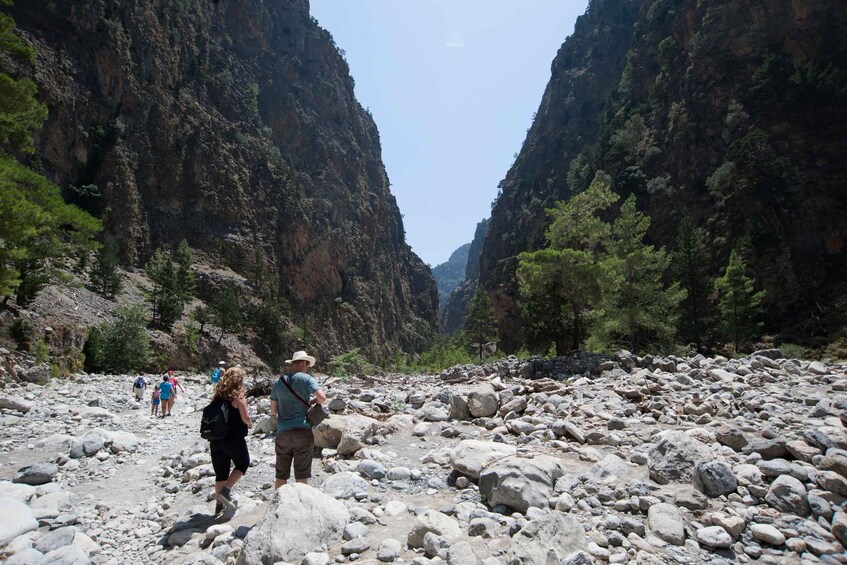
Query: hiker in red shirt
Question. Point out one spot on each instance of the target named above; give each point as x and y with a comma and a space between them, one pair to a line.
174, 384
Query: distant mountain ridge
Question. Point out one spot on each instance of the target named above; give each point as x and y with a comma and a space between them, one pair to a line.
450, 274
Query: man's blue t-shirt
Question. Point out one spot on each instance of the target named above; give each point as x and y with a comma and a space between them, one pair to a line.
292, 412
165, 389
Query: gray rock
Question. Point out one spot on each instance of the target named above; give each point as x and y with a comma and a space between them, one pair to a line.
357, 545
769, 448
461, 553
551, 538
435, 522
16, 518
665, 521
389, 550
67, 555
38, 474
714, 478
767, 534
283, 535
610, 466
354, 530
832, 481
673, 457
520, 483
834, 460
433, 544
714, 536
435, 412
16, 404
787, 494
471, 456
344, 485
26, 557
483, 402
459, 409
371, 469
839, 527
731, 437
54, 539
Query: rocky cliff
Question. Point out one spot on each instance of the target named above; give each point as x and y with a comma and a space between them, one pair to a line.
450, 274
734, 111
232, 125
456, 306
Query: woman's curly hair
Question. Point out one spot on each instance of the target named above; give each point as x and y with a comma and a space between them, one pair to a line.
231, 385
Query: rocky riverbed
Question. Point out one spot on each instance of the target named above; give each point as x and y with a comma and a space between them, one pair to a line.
629, 459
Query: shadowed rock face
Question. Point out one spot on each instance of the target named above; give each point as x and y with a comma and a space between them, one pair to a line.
233, 125
665, 98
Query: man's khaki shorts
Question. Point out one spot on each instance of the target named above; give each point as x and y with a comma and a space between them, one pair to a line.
295, 445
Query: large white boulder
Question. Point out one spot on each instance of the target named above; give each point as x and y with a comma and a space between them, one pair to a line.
520, 483
16, 518
549, 539
299, 520
471, 456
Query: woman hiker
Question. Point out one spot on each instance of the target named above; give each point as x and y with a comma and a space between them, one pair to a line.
231, 451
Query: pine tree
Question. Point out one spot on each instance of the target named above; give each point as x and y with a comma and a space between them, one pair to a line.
638, 310
166, 299
563, 283
739, 304
226, 310
121, 346
201, 314
37, 228
691, 268
105, 277
186, 280
480, 323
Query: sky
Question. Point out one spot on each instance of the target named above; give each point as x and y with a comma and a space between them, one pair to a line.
452, 86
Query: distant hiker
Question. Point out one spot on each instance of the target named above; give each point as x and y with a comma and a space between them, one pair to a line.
294, 439
232, 448
175, 384
138, 387
154, 400
219, 370
166, 390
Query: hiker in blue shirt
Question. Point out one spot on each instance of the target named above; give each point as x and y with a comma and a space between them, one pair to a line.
218, 372
295, 441
166, 390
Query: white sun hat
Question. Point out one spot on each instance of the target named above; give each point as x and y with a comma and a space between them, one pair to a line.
301, 356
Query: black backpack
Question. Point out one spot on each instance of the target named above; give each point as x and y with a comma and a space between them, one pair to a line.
214, 423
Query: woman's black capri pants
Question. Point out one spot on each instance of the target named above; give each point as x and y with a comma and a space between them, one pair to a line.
228, 452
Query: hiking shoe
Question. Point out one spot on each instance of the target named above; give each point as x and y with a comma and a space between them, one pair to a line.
225, 498
218, 508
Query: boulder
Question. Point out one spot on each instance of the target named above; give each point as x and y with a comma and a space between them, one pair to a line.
787, 494
459, 409
674, 456
435, 522
268, 424
16, 404
483, 402
16, 518
347, 434
714, 478
551, 538
344, 485
611, 466
839, 527
38, 474
471, 456
19, 492
520, 483
283, 535
665, 521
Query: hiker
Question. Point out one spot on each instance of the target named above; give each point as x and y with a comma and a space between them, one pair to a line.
175, 384
219, 370
138, 387
154, 401
294, 439
165, 392
232, 449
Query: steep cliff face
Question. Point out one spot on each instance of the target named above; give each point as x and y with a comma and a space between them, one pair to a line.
232, 125
586, 69
450, 274
456, 306
732, 110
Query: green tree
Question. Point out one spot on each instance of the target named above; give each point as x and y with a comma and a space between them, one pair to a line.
563, 283
121, 346
201, 314
691, 268
166, 298
740, 306
226, 310
638, 310
186, 280
480, 323
37, 228
105, 277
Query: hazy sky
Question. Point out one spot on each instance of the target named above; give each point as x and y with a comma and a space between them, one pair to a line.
452, 85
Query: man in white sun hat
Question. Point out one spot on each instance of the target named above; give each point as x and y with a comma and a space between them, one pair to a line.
218, 372
294, 439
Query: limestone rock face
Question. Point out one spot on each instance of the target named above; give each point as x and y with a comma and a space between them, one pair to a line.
235, 127
726, 67
284, 535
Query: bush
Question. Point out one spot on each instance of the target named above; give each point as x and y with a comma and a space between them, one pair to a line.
121, 346
793, 351
22, 332
350, 363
